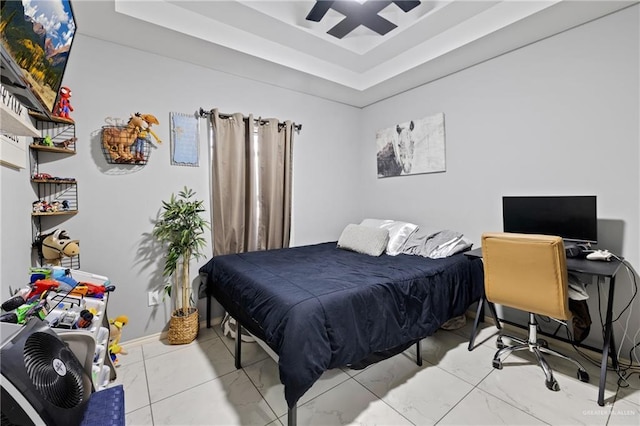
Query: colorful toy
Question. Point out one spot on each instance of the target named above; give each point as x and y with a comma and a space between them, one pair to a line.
18, 299
46, 207
85, 319
42, 206
137, 149
115, 333
64, 105
40, 274
42, 176
65, 143
95, 290
56, 245
26, 311
45, 141
117, 140
66, 282
125, 144
40, 286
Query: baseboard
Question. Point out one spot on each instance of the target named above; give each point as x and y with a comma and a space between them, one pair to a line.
155, 337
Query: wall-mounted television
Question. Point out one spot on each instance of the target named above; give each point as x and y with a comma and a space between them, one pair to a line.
573, 218
36, 38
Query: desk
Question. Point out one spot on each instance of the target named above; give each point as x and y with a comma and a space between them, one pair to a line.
601, 270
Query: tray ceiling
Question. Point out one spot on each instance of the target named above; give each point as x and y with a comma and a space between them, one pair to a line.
273, 42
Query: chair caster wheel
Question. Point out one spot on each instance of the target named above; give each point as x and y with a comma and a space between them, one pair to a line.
583, 376
497, 364
499, 343
553, 385
543, 343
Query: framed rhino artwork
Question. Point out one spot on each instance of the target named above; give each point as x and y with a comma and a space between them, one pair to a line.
412, 147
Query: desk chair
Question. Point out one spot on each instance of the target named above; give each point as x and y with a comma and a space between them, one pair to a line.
529, 273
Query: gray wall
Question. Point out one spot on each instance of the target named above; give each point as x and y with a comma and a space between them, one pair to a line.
559, 117
117, 204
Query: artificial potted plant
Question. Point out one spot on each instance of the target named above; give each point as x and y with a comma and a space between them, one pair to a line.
180, 227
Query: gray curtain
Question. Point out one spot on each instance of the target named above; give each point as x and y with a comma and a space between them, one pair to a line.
274, 145
251, 183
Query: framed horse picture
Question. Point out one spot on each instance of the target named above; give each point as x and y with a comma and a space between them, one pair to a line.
412, 147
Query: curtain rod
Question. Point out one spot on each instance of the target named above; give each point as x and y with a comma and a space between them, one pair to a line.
203, 113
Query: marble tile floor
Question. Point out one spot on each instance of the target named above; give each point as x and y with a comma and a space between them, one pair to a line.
198, 384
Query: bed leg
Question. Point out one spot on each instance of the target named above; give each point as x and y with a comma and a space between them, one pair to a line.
291, 416
238, 354
419, 353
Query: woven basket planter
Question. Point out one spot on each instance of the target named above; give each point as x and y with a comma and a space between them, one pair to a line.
183, 329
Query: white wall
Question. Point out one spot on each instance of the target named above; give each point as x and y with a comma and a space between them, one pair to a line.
559, 117
117, 204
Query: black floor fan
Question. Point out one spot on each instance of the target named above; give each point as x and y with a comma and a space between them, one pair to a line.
42, 380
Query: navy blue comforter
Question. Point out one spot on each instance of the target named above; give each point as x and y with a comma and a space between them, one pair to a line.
319, 307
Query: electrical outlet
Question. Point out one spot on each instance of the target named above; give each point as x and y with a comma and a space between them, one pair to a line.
155, 298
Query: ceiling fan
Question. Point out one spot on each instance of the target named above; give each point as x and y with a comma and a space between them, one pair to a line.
357, 13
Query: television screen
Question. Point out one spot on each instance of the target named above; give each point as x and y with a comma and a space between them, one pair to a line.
573, 218
36, 40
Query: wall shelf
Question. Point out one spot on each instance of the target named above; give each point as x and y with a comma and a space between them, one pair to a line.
56, 197
42, 117
58, 181
45, 148
62, 213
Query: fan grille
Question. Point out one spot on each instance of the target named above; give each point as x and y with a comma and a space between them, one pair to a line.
54, 370
5, 421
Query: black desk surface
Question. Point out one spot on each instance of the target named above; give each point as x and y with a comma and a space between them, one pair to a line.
584, 266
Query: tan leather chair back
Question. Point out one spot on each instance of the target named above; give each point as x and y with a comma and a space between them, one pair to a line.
526, 272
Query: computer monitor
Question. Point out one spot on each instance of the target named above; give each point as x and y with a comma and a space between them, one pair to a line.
573, 218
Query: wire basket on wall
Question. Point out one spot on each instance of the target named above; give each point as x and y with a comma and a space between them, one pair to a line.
121, 145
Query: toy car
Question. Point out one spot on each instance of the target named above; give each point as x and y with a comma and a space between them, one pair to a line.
68, 319
42, 176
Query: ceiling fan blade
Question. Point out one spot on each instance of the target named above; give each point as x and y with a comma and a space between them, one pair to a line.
318, 10
407, 5
343, 28
375, 23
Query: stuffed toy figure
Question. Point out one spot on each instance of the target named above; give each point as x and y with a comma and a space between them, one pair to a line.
64, 105
115, 333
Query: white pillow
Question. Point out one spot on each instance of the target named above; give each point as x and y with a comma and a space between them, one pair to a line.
399, 232
364, 239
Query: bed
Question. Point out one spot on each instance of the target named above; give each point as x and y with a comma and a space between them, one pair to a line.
320, 307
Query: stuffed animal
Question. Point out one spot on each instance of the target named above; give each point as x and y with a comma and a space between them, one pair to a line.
56, 245
115, 333
117, 140
64, 106
137, 148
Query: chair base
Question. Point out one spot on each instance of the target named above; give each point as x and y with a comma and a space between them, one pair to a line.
538, 347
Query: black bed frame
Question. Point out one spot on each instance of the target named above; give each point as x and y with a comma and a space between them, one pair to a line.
291, 411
